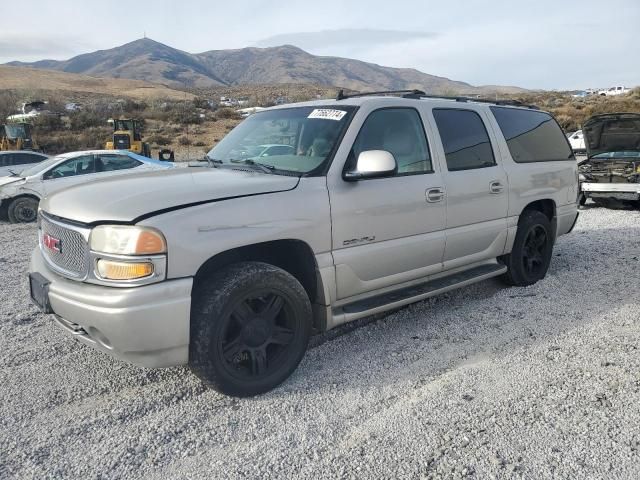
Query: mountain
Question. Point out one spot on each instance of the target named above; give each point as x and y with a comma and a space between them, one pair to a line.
146, 59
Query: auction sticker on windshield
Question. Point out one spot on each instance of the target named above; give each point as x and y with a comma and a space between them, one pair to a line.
327, 114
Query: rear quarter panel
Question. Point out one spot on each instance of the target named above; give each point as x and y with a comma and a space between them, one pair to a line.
529, 182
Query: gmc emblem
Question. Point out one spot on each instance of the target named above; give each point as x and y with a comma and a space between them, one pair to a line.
51, 243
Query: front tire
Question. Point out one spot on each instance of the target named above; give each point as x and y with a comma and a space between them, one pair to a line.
250, 326
23, 210
530, 257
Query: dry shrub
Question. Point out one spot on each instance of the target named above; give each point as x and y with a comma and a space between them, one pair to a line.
159, 139
227, 113
66, 141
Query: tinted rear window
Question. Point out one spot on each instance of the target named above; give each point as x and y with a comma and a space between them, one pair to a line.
532, 136
26, 158
464, 138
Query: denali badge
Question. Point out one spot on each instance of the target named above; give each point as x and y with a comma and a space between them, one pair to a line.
51, 243
356, 241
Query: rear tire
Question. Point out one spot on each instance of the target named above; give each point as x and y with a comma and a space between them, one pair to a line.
530, 257
250, 326
23, 210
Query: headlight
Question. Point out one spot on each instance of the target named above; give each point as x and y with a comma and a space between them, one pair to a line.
582, 178
126, 240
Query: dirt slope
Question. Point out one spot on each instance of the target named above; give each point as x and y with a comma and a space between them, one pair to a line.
24, 78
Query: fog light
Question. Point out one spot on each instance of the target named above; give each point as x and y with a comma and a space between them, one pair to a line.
110, 270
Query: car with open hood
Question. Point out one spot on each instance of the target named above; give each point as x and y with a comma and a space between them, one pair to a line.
612, 168
363, 204
22, 190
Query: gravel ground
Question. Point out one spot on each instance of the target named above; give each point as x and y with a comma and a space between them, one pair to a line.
487, 381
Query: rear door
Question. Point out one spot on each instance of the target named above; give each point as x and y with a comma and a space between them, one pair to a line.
110, 164
476, 188
387, 231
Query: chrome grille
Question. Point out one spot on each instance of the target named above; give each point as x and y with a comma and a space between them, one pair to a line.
72, 259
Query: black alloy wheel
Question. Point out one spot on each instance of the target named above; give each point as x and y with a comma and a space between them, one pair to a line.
532, 249
257, 335
250, 326
533, 255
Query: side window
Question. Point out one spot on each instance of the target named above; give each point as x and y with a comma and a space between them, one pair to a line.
109, 163
464, 138
26, 158
73, 167
532, 136
399, 131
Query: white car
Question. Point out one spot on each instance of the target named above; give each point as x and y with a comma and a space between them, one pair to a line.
17, 160
20, 193
576, 139
613, 91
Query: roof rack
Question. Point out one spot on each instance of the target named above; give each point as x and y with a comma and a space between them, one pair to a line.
419, 94
341, 95
509, 102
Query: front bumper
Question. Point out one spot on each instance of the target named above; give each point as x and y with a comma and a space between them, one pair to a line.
620, 191
147, 326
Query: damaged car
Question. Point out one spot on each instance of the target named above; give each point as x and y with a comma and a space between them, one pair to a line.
21, 192
611, 173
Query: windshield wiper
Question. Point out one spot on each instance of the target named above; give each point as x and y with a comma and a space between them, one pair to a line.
262, 166
13, 174
212, 162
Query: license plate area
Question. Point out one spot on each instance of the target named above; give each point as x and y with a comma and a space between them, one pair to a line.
39, 290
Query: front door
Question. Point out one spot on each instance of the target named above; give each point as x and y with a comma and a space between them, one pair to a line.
70, 172
387, 231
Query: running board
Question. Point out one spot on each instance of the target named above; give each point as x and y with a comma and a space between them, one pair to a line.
414, 293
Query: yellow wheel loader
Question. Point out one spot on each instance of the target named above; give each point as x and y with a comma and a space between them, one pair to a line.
16, 136
127, 135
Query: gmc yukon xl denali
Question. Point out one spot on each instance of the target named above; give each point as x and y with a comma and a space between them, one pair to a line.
381, 201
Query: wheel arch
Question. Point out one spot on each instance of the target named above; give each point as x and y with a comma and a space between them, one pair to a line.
547, 207
294, 256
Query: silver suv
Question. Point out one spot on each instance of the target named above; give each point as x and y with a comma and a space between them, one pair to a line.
381, 201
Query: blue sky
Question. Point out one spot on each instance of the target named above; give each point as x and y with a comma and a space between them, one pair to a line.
533, 44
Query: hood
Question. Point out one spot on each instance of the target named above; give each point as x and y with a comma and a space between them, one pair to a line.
9, 179
131, 198
612, 132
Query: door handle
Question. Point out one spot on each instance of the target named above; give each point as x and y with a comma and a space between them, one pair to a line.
435, 194
496, 187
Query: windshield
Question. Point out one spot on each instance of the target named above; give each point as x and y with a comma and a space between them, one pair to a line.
299, 140
622, 154
40, 167
16, 130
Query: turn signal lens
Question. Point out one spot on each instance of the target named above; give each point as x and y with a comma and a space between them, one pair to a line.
126, 240
150, 242
110, 270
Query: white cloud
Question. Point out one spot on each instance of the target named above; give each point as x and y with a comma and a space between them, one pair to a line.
346, 37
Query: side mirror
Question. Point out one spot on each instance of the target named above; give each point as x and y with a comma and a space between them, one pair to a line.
373, 164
